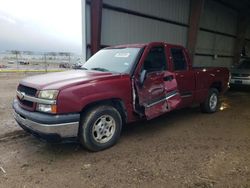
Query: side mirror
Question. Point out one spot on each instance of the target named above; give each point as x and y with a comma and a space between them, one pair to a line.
142, 77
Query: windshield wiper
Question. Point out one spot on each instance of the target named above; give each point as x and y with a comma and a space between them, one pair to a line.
100, 69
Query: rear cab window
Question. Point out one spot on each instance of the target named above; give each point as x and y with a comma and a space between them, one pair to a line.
178, 59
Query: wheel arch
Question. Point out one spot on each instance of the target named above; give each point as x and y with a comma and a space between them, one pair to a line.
117, 103
217, 85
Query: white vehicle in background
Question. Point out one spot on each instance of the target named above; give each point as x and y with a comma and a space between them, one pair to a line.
11, 62
78, 63
240, 75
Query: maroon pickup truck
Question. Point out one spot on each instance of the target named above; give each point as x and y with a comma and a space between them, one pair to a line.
117, 85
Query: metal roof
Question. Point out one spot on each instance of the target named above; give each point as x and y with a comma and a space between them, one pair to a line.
239, 5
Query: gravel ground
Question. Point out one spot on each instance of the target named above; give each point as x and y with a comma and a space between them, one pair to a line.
184, 148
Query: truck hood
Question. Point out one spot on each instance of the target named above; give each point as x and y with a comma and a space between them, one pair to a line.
240, 71
64, 79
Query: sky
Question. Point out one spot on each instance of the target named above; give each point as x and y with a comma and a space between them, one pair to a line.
40, 25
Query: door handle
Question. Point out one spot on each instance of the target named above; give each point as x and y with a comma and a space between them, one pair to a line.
168, 78
182, 76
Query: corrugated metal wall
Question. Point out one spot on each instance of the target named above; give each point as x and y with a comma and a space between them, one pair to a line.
219, 18
210, 43
176, 10
119, 27
216, 39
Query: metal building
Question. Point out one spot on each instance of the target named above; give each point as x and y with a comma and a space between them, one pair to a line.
214, 31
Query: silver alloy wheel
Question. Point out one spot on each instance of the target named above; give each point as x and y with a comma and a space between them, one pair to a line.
213, 101
103, 129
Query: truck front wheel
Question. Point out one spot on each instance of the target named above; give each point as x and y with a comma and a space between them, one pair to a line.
100, 128
210, 105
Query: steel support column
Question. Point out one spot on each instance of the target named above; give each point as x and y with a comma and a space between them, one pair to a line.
243, 23
84, 44
96, 24
196, 9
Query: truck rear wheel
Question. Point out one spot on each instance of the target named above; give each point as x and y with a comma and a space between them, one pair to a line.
100, 128
210, 105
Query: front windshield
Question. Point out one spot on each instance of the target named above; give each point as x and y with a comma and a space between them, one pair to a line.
245, 64
119, 60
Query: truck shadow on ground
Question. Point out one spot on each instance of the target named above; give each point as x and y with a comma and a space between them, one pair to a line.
165, 121
136, 130
130, 132
181, 116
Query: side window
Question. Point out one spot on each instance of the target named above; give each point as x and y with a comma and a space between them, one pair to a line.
156, 60
178, 59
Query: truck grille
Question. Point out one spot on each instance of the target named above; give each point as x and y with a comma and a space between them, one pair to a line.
26, 103
28, 91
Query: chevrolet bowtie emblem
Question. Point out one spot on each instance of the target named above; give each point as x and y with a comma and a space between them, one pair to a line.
21, 95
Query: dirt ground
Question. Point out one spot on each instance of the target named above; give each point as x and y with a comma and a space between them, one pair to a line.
181, 149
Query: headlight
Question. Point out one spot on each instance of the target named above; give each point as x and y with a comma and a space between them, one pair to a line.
48, 94
47, 108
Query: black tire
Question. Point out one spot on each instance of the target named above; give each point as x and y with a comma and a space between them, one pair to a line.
96, 118
207, 106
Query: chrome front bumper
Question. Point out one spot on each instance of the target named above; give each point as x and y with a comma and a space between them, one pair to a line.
64, 126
